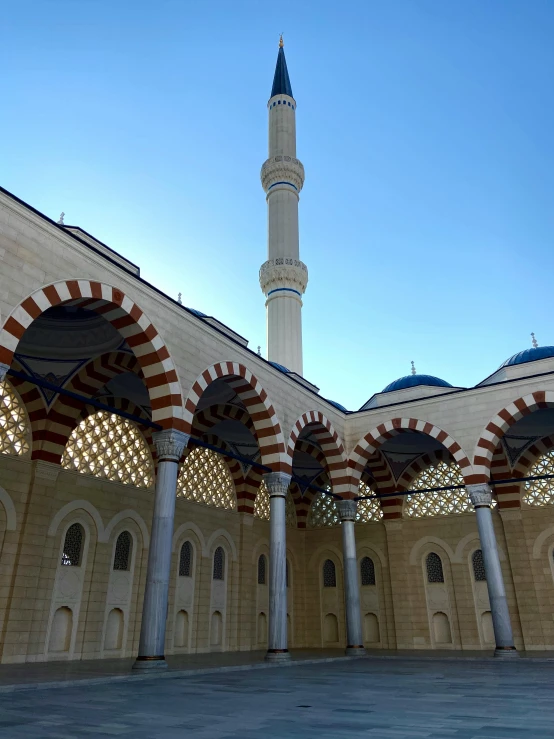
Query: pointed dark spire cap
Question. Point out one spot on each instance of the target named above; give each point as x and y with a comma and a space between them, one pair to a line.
281, 81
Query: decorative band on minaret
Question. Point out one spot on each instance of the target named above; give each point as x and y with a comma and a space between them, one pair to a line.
283, 278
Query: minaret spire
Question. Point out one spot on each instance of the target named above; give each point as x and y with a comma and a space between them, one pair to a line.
283, 278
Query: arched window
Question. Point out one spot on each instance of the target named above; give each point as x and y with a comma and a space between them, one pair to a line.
323, 511
14, 428
329, 574
185, 560
105, 445
368, 510
367, 571
122, 557
440, 503
261, 569
433, 564
540, 492
73, 545
205, 478
219, 564
261, 504
478, 566
290, 511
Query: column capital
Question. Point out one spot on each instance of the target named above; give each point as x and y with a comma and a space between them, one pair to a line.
480, 495
3, 370
277, 483
170, 444
346, 509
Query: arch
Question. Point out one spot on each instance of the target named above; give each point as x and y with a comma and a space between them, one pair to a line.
126, 317
371, 442
114, 629
257, 402
540, 541
326, 549
11, 517
61, 630
228, 540
76, 505
420, 464
497, 427
426, 541
330, 628
441, 628
331, 447
181, 531
371, 550
121, 516
182, 628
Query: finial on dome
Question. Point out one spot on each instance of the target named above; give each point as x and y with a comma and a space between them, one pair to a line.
60, 220
180, 298
281, 42
259, 351
534, 342
414, 372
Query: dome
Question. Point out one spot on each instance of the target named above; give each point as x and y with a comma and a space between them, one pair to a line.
337, 405
280, 367
414, 381
529, 355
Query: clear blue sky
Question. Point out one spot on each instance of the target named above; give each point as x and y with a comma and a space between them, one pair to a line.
426, 130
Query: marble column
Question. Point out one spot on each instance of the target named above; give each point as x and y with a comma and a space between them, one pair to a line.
480, 496
354, 639
277, 649
170, 444
3, 370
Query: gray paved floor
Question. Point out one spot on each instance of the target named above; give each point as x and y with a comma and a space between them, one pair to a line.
367, 697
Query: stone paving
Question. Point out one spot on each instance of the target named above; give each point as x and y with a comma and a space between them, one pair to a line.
365, 697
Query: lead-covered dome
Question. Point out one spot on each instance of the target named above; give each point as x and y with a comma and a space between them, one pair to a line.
529, 355
414, 381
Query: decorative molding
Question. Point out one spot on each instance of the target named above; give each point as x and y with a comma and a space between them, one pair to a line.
170, 444
346, 509
121, 516
3, 370
78, 506
283, 272
480, 495
7, 502
277, 483
46, 471
282, 168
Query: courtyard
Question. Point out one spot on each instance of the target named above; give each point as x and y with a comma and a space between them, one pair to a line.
365, 697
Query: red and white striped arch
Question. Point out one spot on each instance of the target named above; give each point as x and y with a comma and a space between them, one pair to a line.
497, 427
257, 402
210, 417
125, 316
375, 438
331, 447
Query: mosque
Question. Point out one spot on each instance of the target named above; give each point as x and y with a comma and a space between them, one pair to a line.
166, 490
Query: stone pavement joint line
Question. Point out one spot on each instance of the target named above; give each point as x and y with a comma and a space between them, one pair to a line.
396, 699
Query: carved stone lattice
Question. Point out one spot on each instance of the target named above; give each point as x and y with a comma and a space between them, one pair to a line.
205, 478
14, 429
108, 446
290, 512
323, 512
442, 502
540, 492
72, 546
368, 510
261, 505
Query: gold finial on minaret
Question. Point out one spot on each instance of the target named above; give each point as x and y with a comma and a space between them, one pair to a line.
281, 42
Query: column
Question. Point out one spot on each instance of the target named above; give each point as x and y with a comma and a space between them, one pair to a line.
480, 496
277, 650
170, 444
3, 370
354, 640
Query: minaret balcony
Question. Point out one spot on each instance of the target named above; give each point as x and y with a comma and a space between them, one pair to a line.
282, 169
283, 273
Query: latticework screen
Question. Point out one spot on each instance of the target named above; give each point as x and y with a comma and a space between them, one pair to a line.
205, 478
14, 428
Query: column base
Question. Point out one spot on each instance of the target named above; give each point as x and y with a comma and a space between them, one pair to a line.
506, 653
150, 663
277, 655
355, 651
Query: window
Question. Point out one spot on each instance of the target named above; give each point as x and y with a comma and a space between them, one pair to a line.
105, 445
540, 492
261, 505
367, 571
323, 511
13, 422
261, 569
329, 574
368, 510
73, 546
205, 478
122, 557
442, 502
478, 566
433, 564
219, 564
185, 560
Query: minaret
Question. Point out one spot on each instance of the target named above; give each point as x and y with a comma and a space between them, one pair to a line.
283, 278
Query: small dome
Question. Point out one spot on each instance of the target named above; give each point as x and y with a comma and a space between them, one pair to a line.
414, 381
337, 405
280, 367
529, 355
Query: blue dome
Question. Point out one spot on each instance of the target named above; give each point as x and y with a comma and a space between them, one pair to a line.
414, 381
280, 367
337, 405
529, 355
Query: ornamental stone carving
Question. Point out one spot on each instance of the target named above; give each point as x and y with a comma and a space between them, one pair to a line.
282, 169
3, 370
277, 483
283, 272
170, 444
346, 509
480, 495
